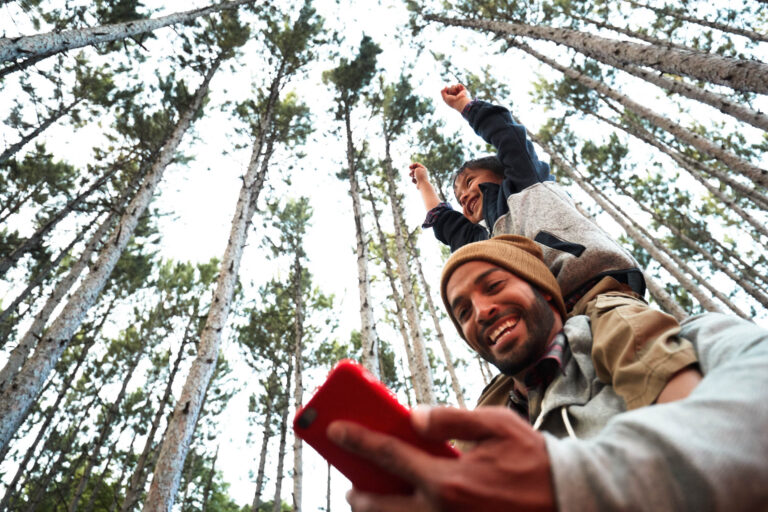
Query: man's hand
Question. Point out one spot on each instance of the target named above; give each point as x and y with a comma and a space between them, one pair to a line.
508, 469
456, 97
418, 174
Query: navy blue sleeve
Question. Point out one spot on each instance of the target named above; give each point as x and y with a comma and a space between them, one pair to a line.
494, 124
455, 230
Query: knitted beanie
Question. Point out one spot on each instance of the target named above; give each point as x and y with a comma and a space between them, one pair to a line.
513, 253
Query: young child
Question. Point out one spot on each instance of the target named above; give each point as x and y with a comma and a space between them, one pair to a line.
513, 193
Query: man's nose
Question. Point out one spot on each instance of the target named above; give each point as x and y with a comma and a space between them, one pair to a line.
486, 309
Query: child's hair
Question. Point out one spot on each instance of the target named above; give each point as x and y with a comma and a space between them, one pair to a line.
492, 163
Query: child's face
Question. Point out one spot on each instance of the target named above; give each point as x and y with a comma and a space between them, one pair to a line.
468, 193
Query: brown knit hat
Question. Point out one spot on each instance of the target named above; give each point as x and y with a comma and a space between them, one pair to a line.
516, 254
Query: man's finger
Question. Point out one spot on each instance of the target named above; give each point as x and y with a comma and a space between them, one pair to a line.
442, 423
365, 502
385, 451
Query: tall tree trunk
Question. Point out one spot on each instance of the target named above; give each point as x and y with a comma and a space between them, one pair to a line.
58, 114
41, 276
24, 64
438, 330
35, 240
396, 297
277, 502
367, 325
722, 103
706, 302
678, 14
52, 410
167, 474
100, 480
266, 436
19, 354
298, 392
741, 75
104, 432
665, 250
705, 253
119, 484
756, 174
97, 328
55, 42
695, 169
423, 377
628, 32
484, 370
209, 482
16, 401
665, 300
138, 477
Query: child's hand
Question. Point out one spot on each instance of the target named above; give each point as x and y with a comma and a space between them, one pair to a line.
418, 174
456, 97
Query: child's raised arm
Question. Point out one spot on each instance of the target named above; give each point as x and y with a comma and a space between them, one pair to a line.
456, 97
419, 176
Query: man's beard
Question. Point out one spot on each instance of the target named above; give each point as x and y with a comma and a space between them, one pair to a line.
538, 322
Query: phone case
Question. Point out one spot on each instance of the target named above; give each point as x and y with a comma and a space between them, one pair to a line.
352, 393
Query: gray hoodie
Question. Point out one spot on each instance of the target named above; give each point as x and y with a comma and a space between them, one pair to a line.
707, 452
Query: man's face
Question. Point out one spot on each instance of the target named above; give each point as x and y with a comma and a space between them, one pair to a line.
502, 318
468, 194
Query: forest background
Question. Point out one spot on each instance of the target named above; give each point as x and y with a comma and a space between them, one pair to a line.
198, 219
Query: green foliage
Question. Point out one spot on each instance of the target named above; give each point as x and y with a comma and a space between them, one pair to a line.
441, 154
294, 42
350, 78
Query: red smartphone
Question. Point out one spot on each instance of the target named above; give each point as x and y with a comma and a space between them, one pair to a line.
352, 393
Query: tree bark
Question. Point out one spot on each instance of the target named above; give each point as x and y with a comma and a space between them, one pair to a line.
664, 43
52, 410
740, 75
705, 253
277, 502
266, 436
138, 477
16, 401
55, 42
209, 482
396, 297
695, 169
722, 103
167, 474
367, 325
438, 330
19, 354
298, 390
424, 372
723, 27
104, 432
756, 174
665, 300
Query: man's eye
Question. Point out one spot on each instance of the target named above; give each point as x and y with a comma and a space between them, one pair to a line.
494, 286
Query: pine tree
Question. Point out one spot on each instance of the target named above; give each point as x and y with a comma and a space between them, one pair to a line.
349, 79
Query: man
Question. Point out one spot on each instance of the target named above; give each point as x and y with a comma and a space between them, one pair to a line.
708, 452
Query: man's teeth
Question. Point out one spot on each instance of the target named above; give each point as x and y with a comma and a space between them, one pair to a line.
509, 324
